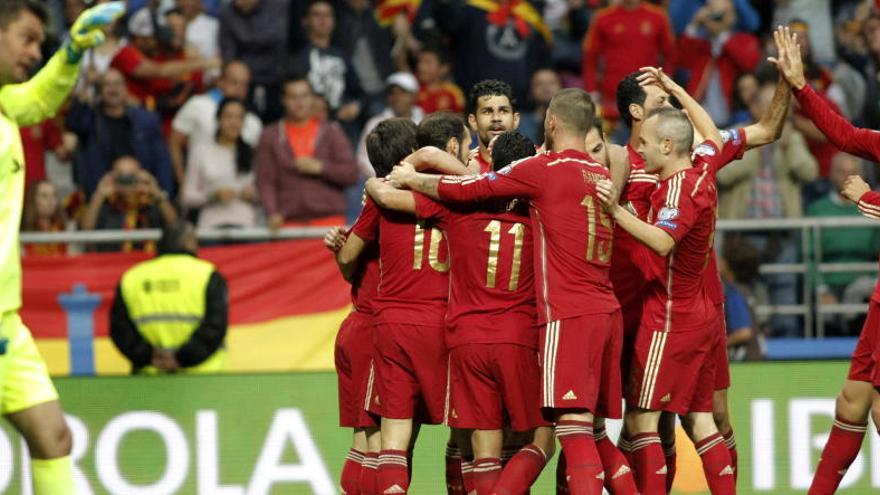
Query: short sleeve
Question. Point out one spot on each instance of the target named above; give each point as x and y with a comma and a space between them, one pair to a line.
367, 224
127, 60
428, 209
185, 120
679, 209
707, 154
733, 147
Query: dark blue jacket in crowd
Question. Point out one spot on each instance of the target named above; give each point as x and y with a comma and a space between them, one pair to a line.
95, 151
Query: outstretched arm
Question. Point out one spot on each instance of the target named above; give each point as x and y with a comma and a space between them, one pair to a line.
437, 160
769, 128
389, 198
703, 123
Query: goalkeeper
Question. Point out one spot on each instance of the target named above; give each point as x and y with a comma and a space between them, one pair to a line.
27, 397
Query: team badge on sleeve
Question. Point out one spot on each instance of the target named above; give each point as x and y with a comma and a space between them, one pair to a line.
731, 135
665, 218
704, 150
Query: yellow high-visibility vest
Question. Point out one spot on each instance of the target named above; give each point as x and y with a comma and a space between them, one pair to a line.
165, 298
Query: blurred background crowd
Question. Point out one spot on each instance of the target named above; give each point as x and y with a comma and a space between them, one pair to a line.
244, 113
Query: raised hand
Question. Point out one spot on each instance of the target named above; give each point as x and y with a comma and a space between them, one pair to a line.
656, 76
400, 175
607, 193
88, 29
854, 188
788, 60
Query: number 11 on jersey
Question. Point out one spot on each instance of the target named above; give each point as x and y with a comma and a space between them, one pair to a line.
518, 231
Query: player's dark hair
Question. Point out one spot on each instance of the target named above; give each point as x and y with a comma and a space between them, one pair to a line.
674, 125
11, 9
575, 110
630, 92
509, 147
243, 151
490, 87
389, 143
438, 128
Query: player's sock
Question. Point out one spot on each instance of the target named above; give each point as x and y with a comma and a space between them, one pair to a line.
487, 472
561, 476
618, 474
53, 476
625, 447
841, 450
467, 475
730, 443
669, 454
350, 481
648, 463
716, 465
369, 471
583, 466
393, 472
522, 471
454, 484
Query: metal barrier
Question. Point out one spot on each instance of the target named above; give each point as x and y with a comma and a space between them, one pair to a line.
809, 228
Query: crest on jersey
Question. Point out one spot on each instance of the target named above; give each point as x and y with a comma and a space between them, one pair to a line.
704, 150
491, 175
730, 136
667, 214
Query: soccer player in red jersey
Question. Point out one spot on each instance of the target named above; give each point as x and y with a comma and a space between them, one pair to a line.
409, 333
495, 378
580, 343
673, 369
387, 144
491, 111
859, 395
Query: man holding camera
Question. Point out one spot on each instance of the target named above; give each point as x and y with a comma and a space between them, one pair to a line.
128, 198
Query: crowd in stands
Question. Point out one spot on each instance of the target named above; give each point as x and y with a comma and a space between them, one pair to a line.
240, 113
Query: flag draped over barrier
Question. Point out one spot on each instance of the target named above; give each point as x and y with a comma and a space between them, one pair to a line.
286, 302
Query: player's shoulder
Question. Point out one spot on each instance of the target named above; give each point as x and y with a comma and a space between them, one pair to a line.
604, 12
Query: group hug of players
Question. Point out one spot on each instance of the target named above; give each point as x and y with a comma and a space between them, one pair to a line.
488, 297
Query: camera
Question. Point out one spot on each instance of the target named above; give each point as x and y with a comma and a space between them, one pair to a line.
127, 180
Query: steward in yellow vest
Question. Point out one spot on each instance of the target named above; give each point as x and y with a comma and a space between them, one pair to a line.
170, 313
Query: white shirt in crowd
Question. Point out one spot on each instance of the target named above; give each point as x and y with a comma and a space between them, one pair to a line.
197, 120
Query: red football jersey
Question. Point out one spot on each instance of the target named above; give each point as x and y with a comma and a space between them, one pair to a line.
573, 234
485, 167
627, 274
413, 270
491, 285
684, 206
365, 284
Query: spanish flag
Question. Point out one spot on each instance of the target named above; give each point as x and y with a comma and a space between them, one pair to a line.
388, 10
524, 15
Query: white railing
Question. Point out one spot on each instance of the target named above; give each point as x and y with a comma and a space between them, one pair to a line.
809, 228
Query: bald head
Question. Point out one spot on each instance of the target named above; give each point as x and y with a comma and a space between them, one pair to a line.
573, 110
673, 125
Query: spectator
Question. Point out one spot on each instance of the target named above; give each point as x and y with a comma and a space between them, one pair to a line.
327, 67
401, 90
436, 92
682, 12
158, 73
170, 313
815, 13
738, 269
303, 165
767, 182
111, 129
713, 55
871, 70
96, 61
841, 245
219, 180
505, 40
128, 198
367, 45
545, 84
202, 30
255, 32
745, 91
43, 213
36, 141
196, 121
621, 39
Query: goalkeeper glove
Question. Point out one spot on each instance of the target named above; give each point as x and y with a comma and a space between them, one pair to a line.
87, 32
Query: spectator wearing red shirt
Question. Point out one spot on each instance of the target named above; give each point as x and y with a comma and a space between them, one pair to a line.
621, 39
155, 72
436, 92
36, 141
714, 55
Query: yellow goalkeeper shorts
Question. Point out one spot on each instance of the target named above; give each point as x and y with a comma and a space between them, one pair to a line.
24, 378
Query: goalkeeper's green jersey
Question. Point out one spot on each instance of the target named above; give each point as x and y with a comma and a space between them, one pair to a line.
23, 105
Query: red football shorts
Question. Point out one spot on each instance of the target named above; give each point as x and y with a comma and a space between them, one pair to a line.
494, 385
673, 371
722, 364
353, 356
580, 364
863, 366
411, 374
